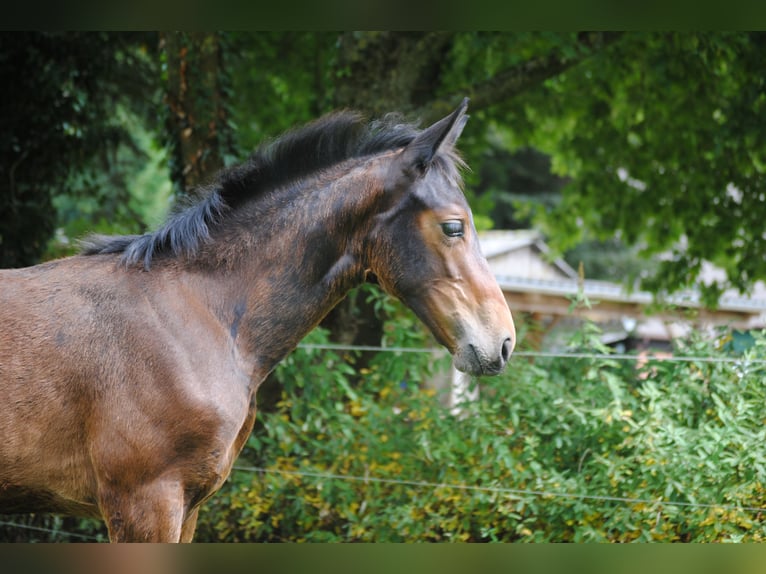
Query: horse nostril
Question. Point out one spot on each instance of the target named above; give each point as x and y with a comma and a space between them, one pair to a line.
505, 351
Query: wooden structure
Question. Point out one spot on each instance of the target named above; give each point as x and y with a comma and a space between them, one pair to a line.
535, 283
542, 288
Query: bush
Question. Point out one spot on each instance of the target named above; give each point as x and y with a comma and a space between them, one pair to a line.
554, 450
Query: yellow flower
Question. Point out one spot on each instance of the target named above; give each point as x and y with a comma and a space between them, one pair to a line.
357, 410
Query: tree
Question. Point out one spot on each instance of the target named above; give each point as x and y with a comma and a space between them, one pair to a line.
61, 127
662, 137
657, 134
196, 94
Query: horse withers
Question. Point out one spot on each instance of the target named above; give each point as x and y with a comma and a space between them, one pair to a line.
128, 373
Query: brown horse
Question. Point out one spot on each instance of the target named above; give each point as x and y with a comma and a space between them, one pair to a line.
128, 373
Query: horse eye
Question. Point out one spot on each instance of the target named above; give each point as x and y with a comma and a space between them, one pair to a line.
453, 228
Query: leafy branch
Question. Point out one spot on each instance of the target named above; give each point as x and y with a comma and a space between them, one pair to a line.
517, 79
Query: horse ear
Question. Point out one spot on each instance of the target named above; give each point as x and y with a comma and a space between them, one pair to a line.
421, 151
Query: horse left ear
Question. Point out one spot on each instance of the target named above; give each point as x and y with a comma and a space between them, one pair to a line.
421, 151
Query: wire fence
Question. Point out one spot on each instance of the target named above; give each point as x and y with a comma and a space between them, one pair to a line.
519, 492
50, 531
499, 489
544, 354
654, 504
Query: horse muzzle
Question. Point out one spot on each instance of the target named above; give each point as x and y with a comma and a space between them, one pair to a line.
479, 332
488, 359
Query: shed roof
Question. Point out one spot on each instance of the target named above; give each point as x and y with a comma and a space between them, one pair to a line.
613, 299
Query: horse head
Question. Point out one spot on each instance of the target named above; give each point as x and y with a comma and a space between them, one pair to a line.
424, 250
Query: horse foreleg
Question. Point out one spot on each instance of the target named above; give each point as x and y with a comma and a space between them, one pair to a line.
189, 526
147, 513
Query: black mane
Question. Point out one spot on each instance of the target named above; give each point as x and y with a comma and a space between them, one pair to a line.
330, 140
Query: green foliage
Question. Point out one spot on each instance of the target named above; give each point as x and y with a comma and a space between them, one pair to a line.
132, 194
657, 134
660, 139
662, 136
610, 260
279, 80
63, 122
543, 444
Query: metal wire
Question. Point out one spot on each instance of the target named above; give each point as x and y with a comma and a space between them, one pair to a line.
425, 484
543, 354
499, 489
48, 530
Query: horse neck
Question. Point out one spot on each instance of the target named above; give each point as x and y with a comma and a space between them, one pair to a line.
298, 255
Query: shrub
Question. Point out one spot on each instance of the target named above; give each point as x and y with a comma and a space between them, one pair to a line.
589, 449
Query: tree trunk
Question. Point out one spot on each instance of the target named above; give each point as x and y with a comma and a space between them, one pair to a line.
197, 108
390, 71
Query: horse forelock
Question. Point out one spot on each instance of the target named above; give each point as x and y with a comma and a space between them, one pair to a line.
297, 154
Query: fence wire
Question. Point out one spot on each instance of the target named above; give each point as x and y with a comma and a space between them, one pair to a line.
49, 530
519, 492
544, 354
653, 504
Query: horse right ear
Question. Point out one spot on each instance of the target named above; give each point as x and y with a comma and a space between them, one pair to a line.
420, 152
